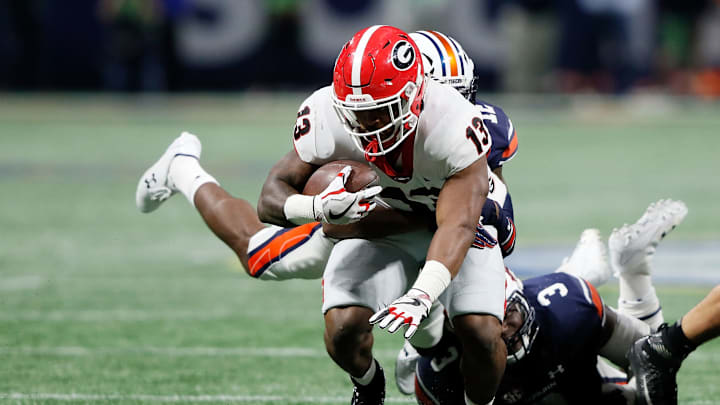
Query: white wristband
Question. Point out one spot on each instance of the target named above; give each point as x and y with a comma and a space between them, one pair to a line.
299, 209
433, 279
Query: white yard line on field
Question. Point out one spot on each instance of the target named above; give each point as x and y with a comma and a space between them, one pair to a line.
178, 351
91, 315
211, 398
186, 398
166, 351
19, 283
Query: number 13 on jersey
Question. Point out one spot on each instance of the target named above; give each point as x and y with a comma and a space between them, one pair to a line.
478, 135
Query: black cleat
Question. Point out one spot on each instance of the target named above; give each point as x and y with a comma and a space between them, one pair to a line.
373, 393
655, 371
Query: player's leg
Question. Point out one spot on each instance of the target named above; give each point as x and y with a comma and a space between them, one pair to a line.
622, 331
233, 220
655, 359
267, 253
484, 355
475, 303
631, 251
360, 277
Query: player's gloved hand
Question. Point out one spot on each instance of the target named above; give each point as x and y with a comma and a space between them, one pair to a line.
483, 238
336, 205
506, 237
410, 309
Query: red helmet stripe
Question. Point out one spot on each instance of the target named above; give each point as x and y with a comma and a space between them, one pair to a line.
452, 56
358, 58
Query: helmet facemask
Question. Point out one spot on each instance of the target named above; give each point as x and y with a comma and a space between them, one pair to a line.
378, 126
519, 327
470, 90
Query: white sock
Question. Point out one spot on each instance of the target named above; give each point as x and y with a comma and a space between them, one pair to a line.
368, 376
186, 176
469, 402
645, 308
635, 286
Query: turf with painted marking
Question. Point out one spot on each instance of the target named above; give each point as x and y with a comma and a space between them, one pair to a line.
112, 305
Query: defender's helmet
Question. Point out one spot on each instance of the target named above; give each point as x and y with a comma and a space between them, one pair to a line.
519, 326
378, 86
446, 61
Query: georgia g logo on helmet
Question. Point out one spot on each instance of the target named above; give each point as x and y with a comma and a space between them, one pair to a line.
403, 55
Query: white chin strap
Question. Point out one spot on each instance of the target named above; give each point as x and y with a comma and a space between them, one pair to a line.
518, 355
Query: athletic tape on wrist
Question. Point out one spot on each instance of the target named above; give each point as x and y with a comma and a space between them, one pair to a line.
433, 279
299, 209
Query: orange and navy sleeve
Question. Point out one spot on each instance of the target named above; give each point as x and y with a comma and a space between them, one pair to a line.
503, 134
279, 245
596, 300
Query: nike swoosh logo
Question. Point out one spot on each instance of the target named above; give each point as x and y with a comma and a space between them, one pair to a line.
415, 302
340, 215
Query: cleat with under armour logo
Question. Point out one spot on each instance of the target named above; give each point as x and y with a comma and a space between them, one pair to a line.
154, 188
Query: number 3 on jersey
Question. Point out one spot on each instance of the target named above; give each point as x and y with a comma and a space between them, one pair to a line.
302, 126
544, 295
476, 128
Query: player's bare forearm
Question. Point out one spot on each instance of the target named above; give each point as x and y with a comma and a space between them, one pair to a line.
286, 178
702, 322
457, 213
379, 223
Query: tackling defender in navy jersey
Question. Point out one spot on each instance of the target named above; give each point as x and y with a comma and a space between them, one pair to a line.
554, 357
555, 327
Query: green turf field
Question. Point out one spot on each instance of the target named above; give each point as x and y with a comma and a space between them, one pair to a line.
99, 302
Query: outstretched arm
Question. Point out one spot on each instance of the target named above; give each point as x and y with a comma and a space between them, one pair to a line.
702, 323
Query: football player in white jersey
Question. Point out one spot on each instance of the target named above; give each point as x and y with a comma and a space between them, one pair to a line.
272, 253
428, 145
278, 253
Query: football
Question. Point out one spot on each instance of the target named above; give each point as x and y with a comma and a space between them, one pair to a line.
361, 176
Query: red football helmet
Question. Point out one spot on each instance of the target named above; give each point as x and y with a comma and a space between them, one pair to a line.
378, 86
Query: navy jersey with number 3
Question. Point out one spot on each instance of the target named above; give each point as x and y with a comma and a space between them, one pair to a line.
561, 366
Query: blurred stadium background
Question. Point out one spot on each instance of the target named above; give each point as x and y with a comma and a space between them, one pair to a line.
615, 102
